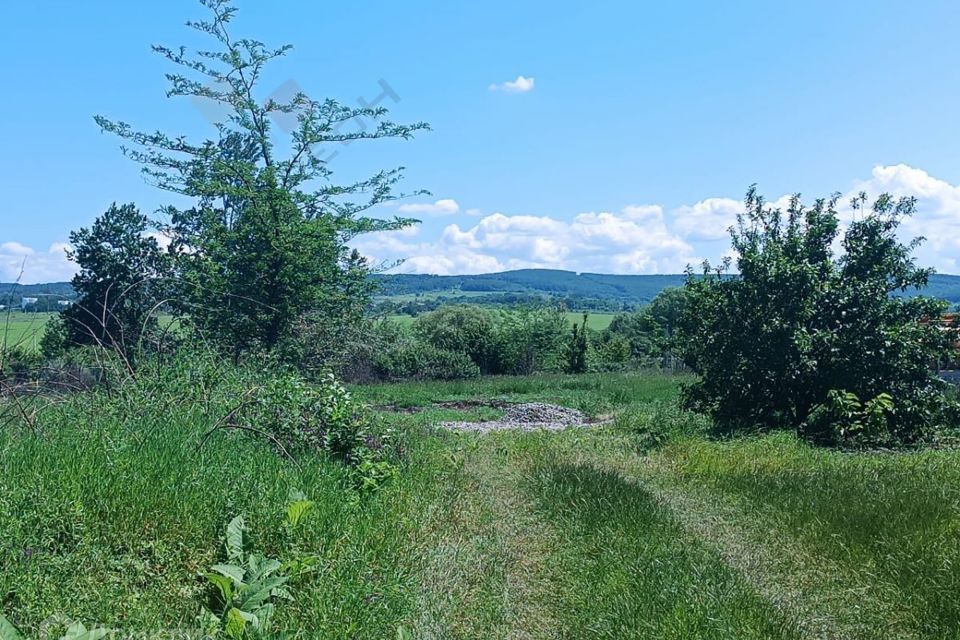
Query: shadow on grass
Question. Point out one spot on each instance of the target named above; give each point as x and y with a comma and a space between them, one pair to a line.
626, 569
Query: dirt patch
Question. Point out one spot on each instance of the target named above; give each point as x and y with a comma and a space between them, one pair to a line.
532, 416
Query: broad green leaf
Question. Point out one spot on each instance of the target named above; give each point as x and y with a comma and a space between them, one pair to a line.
261, 620
259, 592
296, 510
234, 539
224, 584
403, 634
236, 624
259, 567
231, 571
7, 630
77, 631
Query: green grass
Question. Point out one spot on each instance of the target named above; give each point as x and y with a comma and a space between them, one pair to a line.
23, 330
888, 524
595, 321
643, 528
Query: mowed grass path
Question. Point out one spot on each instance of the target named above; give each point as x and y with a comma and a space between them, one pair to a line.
585, 533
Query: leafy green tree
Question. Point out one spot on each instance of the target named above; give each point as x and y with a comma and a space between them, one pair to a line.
265, 241
799, 324
118, 285
577, 348
462, 329
666, 309
527, 340
643, 334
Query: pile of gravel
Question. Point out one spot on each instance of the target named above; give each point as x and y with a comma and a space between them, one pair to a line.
526, 417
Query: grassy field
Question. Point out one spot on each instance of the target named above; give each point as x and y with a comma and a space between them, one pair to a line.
643, 528
596, 321
23, 329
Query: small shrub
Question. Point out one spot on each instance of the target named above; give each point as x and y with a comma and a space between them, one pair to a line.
247, 588
321, 416
18, 364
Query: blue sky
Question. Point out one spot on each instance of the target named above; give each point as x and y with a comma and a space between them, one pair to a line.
626, 145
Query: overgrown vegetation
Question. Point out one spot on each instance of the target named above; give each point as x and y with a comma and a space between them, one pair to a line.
802, 337
183, 457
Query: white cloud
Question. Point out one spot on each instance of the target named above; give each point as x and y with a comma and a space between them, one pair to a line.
937, 217
646, 239
635, 240
28, 266
520, 85
708, 219
15, 249
445, 207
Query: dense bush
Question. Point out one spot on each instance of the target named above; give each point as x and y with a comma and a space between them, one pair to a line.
527, 340
643, 337
774, 346
505, 341
462, 329
410, 359
300, 417
118, 286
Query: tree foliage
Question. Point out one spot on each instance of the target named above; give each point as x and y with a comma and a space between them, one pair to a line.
265, 241
462, 329
801, 323
118, 284
577, 348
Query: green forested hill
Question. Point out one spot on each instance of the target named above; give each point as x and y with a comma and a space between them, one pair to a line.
627, 289
11, 293
535, 281
634, 289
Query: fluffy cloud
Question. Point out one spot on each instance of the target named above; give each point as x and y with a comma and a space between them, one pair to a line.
646, 239
23, 263
938, 212
708, 219
637, 239
520, 85
634, 240
439, 208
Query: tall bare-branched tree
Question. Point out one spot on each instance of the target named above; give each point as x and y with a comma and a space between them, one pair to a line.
265, 240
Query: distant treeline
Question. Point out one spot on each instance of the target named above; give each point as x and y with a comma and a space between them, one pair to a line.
531, 287
632, 289
627, 290
47, 295
393, 306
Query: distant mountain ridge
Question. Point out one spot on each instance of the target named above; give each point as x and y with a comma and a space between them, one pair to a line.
632, 289
535, 281
16, 290
636, 289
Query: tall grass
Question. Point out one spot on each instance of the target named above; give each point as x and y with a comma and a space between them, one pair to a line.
109, 511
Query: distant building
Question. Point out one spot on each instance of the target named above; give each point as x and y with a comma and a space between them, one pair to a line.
64, 303
27, 302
